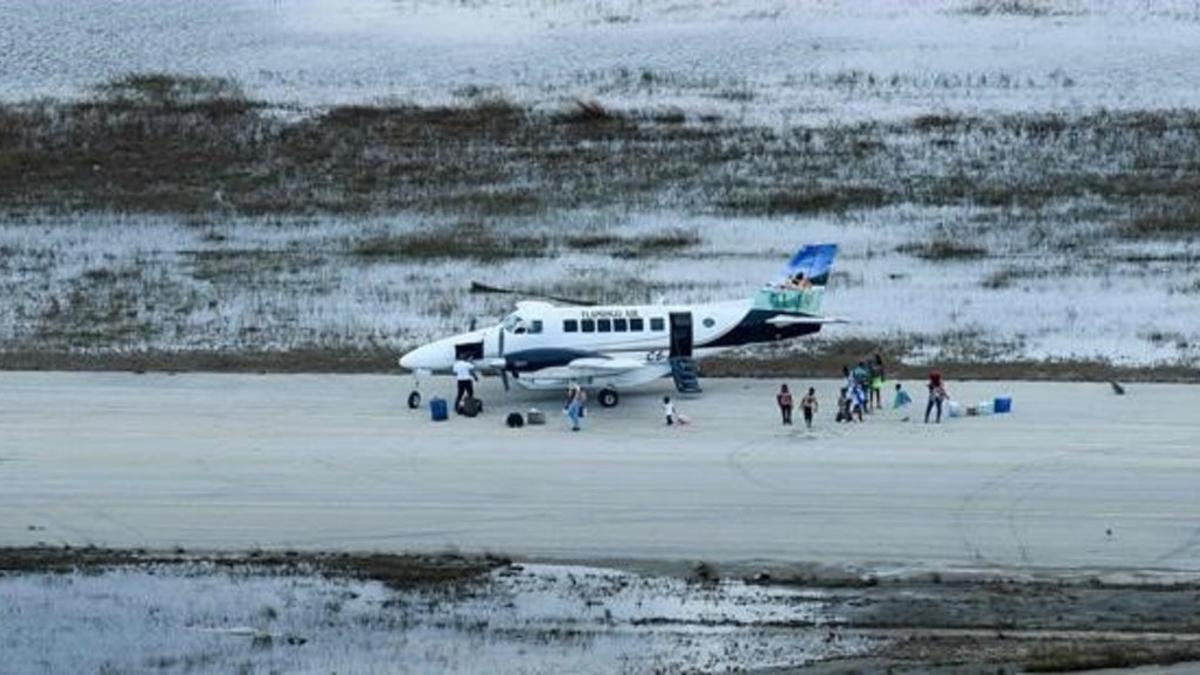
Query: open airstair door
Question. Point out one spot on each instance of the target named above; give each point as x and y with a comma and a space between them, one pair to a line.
681, 335
683, 369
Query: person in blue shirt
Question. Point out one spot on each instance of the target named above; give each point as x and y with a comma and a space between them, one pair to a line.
901, 402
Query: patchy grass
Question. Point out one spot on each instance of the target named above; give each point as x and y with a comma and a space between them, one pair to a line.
162, 143
1192, 288
803, 200
663, 243
1069, 657
1006, 277
467, 239
590, 113
1031, 8
668, 116
165, 89
943, 249
398, 571
936, 122
100, 307
826, 359
1178, 221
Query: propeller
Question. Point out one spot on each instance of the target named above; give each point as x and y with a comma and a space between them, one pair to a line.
477, 287
504, 367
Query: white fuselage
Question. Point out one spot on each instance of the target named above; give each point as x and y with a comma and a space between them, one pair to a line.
538, 340
544, 345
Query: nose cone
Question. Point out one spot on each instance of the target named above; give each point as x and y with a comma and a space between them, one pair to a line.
407, 361
414, 359
436, 356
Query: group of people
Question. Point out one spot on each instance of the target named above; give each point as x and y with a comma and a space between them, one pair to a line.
862, 390
808, 405
862, 393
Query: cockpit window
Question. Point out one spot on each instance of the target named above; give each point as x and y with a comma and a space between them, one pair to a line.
513, 323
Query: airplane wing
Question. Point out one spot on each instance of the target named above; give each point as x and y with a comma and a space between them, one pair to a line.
591, 366
587, 367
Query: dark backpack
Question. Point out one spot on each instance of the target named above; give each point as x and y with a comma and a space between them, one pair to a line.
471, 406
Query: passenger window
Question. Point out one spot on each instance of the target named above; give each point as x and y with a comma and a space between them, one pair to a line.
588, 325
620, 325
657, 324
570, 326
637, 325
603, 326
535, 326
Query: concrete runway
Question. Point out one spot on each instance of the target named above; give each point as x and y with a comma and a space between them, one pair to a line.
337, 461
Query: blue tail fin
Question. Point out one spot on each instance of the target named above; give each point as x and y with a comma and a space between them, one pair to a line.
815, 261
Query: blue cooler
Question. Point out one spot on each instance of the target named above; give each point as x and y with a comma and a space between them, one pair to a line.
1002, 404
438, 410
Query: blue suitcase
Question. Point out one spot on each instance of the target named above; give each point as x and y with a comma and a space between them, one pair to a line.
1002, 404
438, 410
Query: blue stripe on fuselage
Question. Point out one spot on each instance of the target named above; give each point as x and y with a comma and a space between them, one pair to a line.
754, 328
528, 360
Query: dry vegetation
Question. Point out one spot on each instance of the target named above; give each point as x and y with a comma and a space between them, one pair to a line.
467, 239
489, 182
398, 571
169, 144
1031, 8
943, 248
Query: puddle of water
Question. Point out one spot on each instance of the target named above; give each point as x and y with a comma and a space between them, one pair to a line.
536, 618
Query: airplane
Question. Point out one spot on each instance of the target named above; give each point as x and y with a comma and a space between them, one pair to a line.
547, 346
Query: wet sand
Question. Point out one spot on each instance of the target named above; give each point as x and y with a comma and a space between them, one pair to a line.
1075, 478
293, 611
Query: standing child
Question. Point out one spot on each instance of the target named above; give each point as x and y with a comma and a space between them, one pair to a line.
809, 405
860, 383
901, 402
937, 394
877, 380
843, 413
784, 399
669, 410
575, 401
858, 400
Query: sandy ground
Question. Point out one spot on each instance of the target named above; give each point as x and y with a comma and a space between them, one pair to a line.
1075, 478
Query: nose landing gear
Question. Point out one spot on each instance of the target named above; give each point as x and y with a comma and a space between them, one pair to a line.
414, 397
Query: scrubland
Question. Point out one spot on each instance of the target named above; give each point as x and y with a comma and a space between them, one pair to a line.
1028, 212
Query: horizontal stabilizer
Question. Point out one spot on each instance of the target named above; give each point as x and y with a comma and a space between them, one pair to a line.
785, 320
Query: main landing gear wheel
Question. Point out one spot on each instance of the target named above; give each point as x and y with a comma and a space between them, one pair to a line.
414, 400
608, 397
